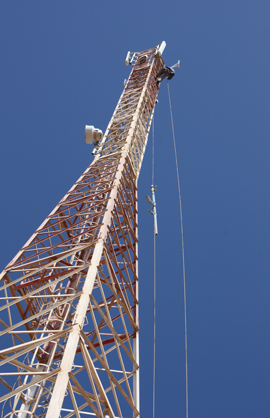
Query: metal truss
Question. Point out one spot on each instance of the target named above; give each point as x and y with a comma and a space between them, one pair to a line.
69, 299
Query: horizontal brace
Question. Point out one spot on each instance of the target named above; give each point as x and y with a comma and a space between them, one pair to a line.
81, 412
30, 345
24, 373
40, 289
32, 383
36, 297
50, 308
53, 258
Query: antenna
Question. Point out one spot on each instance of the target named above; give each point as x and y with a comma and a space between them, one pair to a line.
153, 211
161, 48
148, 200
127, 60
176, 65
93, 136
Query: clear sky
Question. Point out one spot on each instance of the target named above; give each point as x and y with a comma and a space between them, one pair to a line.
62, 66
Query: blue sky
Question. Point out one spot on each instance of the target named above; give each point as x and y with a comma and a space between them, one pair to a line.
62, 66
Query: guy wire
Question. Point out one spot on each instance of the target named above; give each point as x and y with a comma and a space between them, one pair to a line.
154, 348
183, 252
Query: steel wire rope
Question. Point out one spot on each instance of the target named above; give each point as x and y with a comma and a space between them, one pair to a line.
183, 250
154, 347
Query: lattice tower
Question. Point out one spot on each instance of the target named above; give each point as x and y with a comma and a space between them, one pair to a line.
69, 298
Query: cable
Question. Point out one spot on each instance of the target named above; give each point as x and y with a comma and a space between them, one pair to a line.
183, 251
154, 348
154, 354
153, 151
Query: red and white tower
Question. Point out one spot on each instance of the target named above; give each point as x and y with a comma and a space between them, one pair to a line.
69, 298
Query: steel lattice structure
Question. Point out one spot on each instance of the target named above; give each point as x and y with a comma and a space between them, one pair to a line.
69, 298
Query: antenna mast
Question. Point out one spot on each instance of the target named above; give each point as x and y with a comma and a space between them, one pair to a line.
69, 298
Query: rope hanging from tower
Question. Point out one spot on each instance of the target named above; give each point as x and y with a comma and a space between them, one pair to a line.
183, 250
154, 212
